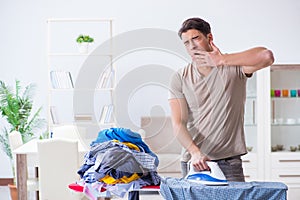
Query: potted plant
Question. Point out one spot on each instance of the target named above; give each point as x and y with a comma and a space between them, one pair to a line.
83, 42
16, 107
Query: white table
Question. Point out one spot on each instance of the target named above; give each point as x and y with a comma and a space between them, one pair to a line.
30, 149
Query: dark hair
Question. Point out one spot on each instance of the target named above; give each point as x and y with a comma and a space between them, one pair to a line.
195, 23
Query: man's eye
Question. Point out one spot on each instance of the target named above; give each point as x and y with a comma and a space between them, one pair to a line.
196, 38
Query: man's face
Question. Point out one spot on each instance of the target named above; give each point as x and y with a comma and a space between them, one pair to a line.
194, 41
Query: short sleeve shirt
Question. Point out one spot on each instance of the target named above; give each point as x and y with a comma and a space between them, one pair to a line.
215, 109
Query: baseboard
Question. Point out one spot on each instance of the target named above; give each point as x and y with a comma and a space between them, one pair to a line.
6, 181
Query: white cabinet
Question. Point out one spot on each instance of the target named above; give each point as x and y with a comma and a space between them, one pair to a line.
250, 116
285, 127
279, 108
286, 160
272, 127
253, 162
81, 83
250, 166
285, 108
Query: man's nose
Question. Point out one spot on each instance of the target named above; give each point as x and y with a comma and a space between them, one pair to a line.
192, 45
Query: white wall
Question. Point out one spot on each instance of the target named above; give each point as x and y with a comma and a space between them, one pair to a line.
236, 25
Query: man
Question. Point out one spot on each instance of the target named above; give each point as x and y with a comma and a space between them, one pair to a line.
207, 100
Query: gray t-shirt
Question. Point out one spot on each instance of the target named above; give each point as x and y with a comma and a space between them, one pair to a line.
215, 109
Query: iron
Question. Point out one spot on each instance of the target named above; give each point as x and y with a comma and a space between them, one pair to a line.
214, 176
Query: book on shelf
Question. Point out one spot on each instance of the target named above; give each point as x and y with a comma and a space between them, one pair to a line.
109, 114
53, 115
105, 80
61, 79
106, 114
71, 83
83, 117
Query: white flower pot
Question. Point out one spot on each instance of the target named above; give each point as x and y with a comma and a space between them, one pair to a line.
83, 47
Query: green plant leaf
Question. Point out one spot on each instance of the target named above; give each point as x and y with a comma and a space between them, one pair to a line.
5, 143
17, 108
84, 38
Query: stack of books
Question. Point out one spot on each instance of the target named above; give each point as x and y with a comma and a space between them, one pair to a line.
106, 79
106, 114
61, 80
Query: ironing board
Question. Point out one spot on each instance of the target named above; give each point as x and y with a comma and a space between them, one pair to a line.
174, 188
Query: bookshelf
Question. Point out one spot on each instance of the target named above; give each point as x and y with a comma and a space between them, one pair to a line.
76, 96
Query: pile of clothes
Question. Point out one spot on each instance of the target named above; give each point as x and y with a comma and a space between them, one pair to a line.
118, 161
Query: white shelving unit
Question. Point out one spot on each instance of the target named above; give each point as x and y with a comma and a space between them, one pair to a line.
277, 123
285, 127
81, 99
250, 161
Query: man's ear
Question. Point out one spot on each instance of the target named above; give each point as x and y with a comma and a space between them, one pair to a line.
210, 37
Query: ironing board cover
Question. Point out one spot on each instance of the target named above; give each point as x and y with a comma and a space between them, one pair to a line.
174, 188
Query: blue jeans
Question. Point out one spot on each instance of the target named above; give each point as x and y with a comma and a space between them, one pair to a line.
231, 167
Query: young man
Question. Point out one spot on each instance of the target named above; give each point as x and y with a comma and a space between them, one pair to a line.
207, 100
